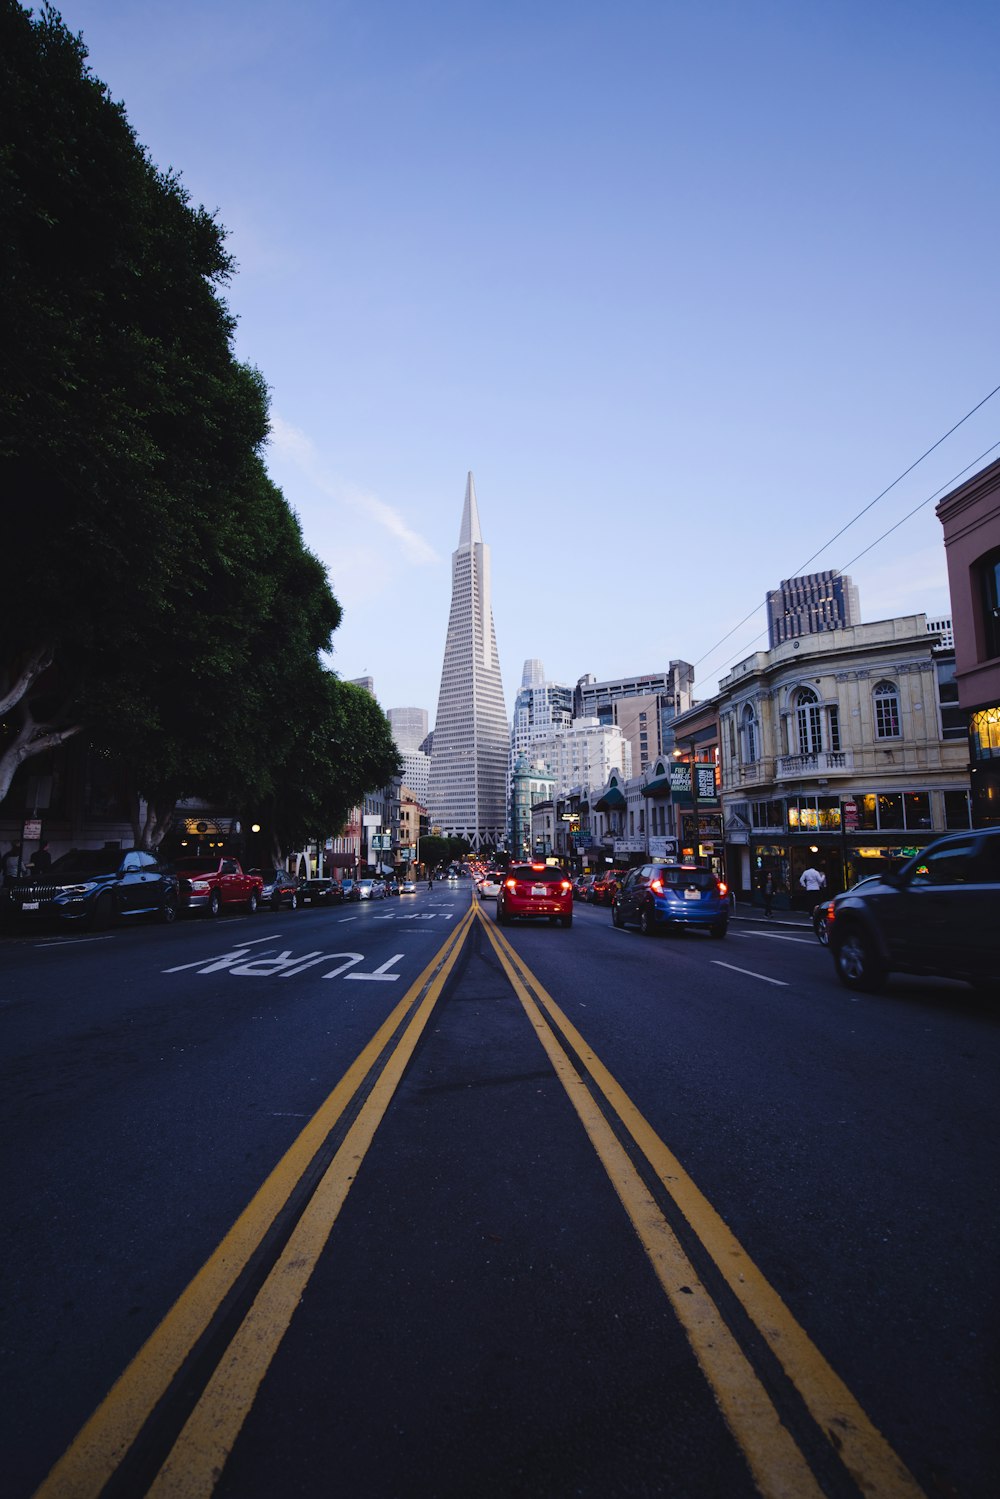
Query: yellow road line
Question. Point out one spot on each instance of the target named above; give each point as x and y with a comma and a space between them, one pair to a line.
873, 1465
100, 1446
778, 1467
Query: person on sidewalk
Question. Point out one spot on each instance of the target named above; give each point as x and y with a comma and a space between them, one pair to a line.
768, 893
813, 882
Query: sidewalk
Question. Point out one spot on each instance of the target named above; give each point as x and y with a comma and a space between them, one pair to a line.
746, 911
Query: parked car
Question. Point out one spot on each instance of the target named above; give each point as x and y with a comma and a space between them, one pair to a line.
658, 896
391, 887
322, 890
279, 888
489, 889
937, 914
581, 886
347, 888
536, 890
823, 913
602, 890
213, 883
95, 887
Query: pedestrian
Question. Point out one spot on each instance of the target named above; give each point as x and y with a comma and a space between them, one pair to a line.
813, 882
768, 893
12, 864
41, 861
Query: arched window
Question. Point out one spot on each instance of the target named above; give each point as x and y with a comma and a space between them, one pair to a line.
750, 745
809, 721
886, 699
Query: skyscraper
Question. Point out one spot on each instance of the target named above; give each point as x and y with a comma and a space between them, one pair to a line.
811, 604
468, 780
409, 727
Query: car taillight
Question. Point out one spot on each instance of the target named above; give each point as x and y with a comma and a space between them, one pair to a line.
829, 913
511, 884
565, 886
656, 885
723, 888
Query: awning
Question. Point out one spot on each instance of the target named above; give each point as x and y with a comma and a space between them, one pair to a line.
659, 787
613, 797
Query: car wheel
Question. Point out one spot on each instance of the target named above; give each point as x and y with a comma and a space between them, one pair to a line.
168, 911
252, 902
103, 912
293, 904
646, 924
214, 903
616, 916
856, 961
718, 928
820, 927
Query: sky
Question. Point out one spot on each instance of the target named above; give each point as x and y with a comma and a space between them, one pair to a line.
685, 286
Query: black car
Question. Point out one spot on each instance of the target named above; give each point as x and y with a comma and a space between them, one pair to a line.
321, 891
939, 914
280, 888
96, 887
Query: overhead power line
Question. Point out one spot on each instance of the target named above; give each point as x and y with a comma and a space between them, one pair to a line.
898, 480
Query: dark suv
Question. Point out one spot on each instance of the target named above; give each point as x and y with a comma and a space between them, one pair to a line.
938, 914
96, 887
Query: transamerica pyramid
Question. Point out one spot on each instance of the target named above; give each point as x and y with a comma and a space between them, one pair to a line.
468, 780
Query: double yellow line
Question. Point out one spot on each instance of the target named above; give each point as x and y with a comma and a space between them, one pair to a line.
192, 1467
779, 1468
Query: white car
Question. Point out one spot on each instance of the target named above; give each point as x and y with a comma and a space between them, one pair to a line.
490, 887
408, 887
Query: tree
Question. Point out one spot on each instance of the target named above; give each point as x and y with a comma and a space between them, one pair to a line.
124, 416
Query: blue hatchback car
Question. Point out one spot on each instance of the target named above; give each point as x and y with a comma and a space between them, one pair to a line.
656, 896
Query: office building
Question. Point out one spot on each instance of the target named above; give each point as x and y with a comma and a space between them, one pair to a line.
467, 797
810, 605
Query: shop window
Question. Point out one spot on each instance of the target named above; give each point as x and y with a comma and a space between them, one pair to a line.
886, 700
956, 809
917, 810
890, 809
867, 812
829, 812
984, 733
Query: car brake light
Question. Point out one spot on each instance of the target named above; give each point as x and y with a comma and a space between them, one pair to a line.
656, 885
566, 885
511, 884
723, 888
538, 866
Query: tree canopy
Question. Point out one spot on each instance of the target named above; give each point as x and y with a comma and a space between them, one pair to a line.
159, 594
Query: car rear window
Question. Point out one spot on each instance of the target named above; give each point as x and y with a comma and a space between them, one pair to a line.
549, 875
675, 875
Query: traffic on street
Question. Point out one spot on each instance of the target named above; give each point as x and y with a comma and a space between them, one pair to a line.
398, 1200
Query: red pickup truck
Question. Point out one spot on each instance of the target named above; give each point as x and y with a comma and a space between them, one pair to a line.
210, 884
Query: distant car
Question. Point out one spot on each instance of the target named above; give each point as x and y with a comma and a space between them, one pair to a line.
655, 897
536, 890
936, 914
321, 890
602, 889
489, 889
581, 886
96, 887
347, 888
369, 890
408, 887
391, 887
279, 889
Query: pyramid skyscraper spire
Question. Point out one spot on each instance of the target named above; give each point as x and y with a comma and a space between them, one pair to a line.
468, 780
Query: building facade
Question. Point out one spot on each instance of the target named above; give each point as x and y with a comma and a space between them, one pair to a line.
970, 516
584, 754
834, 752
643, 707
541, 710
409, 727
467, 794
531, 783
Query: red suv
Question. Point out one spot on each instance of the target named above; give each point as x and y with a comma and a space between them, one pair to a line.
536, 890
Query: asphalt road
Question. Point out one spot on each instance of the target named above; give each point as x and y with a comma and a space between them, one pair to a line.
593, 1215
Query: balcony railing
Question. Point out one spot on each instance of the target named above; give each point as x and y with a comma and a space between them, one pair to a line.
823, 763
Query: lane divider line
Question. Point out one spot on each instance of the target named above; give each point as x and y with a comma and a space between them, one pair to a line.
875, 1468
98, 1449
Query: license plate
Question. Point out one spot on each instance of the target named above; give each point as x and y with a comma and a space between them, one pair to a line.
30, 905
692, 895
538, 890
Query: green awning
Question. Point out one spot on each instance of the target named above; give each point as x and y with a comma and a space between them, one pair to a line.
613, 797
659, 787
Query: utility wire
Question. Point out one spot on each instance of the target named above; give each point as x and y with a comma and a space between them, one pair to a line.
798, 571
947, 485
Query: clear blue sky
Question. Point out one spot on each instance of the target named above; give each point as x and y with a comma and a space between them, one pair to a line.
684, 285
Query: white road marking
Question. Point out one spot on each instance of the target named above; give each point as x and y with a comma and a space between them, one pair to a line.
750, 973
72, 941
778, 937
